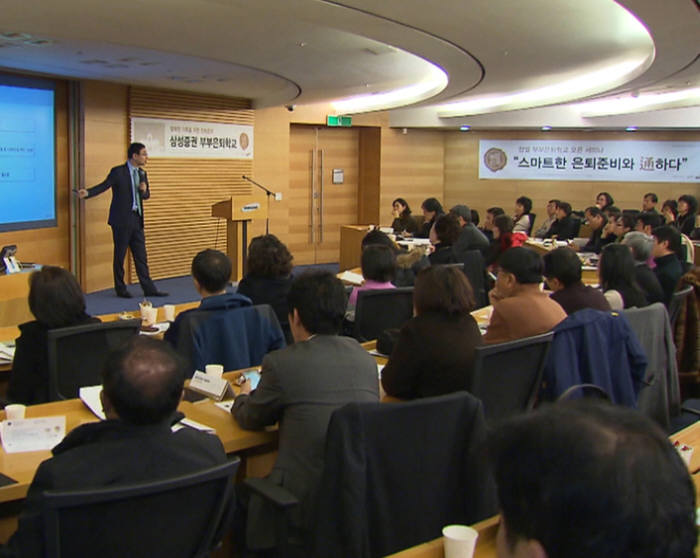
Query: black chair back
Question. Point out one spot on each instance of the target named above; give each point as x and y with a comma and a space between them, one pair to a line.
178, 517
532, 217
584, 390
677, 301
380, 309
78, 353
475, 270
507, 376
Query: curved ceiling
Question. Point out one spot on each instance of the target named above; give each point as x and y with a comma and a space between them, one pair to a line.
301, 51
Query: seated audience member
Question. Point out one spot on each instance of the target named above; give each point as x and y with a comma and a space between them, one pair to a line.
520, 308
603, 200
470, 238
617, 278
224, 329
503, 238
624, 224
668, 270
551, 210
475, 217
640, 246
142, 386
649, 202
585, 478
55, 300
408, 262
562, 271
378, 269
597, 221
443, 237
647, 222
566, 226
612, 211
687, 212
434, 354
269, 277
487, 227
522, 220
300, 387
403, 223
432, 209
669, 210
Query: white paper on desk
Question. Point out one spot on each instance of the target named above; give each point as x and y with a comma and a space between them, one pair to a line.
162, 328
34, 434
192, 424
225, 405
90, 395
380, 367
352, 278
7, 352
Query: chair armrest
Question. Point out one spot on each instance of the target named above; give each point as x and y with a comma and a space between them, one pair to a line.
278, 496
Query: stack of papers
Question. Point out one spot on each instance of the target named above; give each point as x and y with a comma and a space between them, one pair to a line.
33, 434
352, 278
7, 353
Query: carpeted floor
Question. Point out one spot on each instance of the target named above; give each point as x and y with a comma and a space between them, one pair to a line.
179, 289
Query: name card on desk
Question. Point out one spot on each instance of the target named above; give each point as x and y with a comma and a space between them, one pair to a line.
33, 434
211, 386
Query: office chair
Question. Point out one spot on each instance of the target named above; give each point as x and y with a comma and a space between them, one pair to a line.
507, 376
177, 517
475, 270
678, 299
78, 353
380, 309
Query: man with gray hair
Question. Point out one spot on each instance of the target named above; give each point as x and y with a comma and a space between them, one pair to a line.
470, 238
640, 244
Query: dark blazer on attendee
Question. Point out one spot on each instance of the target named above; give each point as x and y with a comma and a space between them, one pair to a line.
29, 380
565, 229
578, 296
443, 254
471, 238
300, 387
668, 271
119, 180
433, 356
110, 453
648, 282
265, 290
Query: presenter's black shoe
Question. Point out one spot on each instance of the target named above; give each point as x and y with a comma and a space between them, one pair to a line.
156, 293
124, 294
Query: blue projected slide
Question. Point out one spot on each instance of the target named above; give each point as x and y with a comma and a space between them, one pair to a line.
27, 175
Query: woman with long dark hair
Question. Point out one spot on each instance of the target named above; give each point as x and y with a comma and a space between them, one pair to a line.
617, 276
55, 300
432, 209
403, 220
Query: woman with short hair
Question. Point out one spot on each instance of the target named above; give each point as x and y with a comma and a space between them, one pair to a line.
522, 219
435, 351
56, 300
432, 209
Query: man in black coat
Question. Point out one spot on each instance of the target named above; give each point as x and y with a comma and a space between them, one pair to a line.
142, 386
130, 188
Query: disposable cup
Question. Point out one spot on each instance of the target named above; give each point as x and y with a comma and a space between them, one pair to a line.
459, 541
215, 370
15, 411
169, 311
149, 315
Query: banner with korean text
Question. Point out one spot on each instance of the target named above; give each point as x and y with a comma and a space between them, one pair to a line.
618, 161
190, 139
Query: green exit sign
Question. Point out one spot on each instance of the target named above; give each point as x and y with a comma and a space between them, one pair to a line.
345, 121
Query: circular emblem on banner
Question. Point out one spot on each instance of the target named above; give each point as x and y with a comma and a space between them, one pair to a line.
495, 159
244, 141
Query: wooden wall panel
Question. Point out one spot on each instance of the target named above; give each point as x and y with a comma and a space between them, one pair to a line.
412, 167
369, 191
50, 245
462, 184
178, 215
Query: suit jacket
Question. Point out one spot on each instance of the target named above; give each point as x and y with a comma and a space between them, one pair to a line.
264, 290
300, 387
648, 282
668, 271
565, 228
579, 296
110, 453
471, 238
433, 356
523, 315
29, 381
119, 180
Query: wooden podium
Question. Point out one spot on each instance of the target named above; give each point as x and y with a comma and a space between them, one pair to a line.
237, 211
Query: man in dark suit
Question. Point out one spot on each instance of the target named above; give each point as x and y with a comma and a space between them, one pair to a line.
142, 386
129, 185
300, 387
566, 226
470, 238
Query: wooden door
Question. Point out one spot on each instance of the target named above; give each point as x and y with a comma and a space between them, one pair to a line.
318, 207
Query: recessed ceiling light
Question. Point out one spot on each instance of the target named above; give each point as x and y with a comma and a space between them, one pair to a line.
546, 128
631, 129
465, 128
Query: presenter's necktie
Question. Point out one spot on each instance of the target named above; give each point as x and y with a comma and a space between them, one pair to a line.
135, 186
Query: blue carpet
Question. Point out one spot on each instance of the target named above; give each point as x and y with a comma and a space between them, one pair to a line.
180, 289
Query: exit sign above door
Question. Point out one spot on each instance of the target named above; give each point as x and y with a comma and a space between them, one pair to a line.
345, 121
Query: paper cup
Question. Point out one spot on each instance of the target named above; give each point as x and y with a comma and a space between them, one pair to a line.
459, 541
149, 315
15, 412
169, 311
215, 370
